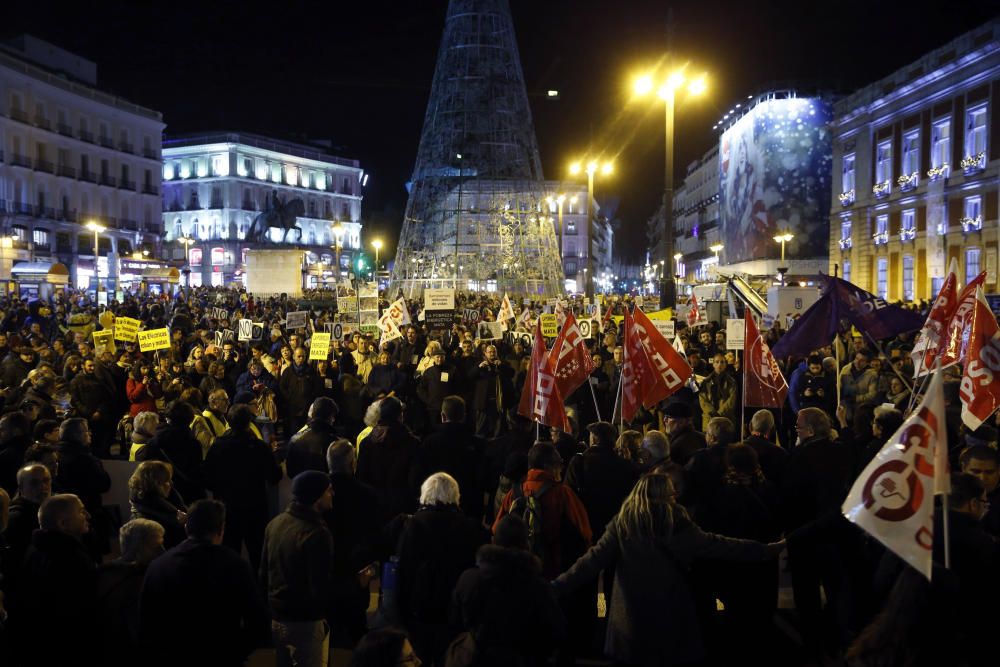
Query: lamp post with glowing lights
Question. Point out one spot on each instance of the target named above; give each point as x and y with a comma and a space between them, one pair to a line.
377, 244
97, 229
338, 234
591, 168
783, 239
644, 85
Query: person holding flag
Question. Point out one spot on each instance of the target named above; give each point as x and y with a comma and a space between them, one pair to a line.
541, 401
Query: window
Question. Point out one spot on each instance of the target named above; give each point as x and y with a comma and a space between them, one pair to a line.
247, 167
908, 230
681, 269
975, 131
40, 237
972, 221
220, 165
194, 257
218, 256
882, 289
911, 156
883, 163
940, 144
908, 277
848, 173
204, 229
847, 270
881, 230
937, 282
971, 264
845, 234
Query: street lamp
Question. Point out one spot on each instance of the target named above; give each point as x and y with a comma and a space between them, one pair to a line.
187, 241
97, 228
666, 91
783, 239
377, 244
591, 168
558, 201
338, 234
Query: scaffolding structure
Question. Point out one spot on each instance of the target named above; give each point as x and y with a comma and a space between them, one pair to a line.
476, 218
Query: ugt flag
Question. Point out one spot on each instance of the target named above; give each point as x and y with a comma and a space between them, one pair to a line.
540, 399
925, 347
955, 342
763, 384
980, 387
893, 498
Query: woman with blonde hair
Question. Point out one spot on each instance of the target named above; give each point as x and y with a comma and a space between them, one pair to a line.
628, 445
652, 618
152, 496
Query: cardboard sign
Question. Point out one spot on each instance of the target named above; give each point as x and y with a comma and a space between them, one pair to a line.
319, 347
104, 341
296, 320
586, 328
735, 334
257, 331
220, 313
347, 304
439, 299
638, 301
550, 326
154, 339
665, 327
245, 330
490, 331
126, 329
471, 316
439, 319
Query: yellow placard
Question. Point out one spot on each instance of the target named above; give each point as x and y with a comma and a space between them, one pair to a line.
104, 340
550, 325
126, 329
665, 314
154, 339
319, 348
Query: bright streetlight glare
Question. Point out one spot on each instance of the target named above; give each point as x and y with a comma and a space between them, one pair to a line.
698, 86
784, 238
574, 168
377, 244
561, 198
676, 80
95, 227
716, 248
677, 256
607, 168
591, 166
643, 85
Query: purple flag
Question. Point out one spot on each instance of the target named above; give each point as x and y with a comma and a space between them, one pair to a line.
841, 299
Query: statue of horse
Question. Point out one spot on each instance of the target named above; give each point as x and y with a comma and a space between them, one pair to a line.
282, 214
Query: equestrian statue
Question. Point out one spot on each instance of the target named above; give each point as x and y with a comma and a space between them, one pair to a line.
279, 213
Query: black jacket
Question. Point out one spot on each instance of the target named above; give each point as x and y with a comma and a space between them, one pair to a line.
199, 606
297, 391
435, 383
163, 512
175, 444
437, 545
118, 587
90, 394
603, 480
770, 456
817, 476
238, 469
82, 473
453, 448
684, 444
296, 565
388, 462
11, 460
307, 449
489, 382
509, 607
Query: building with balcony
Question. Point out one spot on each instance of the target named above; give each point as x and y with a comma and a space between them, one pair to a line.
215, 186
915, 172
72, 154
573, 236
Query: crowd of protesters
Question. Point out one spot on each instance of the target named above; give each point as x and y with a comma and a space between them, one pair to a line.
488, 539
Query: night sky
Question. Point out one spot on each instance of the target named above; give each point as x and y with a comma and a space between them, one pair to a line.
359, 73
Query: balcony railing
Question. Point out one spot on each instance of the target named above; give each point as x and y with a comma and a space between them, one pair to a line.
127, 185
67, 215
22, 208
150, 189
882, 189
881, 238
43, 165
68, 172
845, 244
972, 164
130, 225
19, 115
86, 136
107, 142
907, 234
126, 147
20, 160
935, 173
88, 176
847, 198
42, 122
150, 153
64, 129
907, 182
108, 180
971, 224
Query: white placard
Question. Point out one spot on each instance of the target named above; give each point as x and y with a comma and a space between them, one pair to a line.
735, 334
296, 320
665, 327
439, 299
245, 330
586, 328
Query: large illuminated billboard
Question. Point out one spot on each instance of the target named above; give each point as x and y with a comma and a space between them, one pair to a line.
775, 167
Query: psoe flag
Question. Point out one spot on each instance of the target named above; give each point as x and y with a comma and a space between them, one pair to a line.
980, 386
893, 498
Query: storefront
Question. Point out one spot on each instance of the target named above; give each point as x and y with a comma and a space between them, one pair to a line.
39, 279
147, 275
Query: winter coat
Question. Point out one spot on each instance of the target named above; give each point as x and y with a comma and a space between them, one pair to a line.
118, 587
684, 444
11, 460
141, 396
199, 602
717, 396
163, 512
296, 565
491, 382
13, 371
90, 394
453, 448
437, 545
651, 617
388, 462
82, 473
435, 383
603, 480
297, 388
238, 469
770, 456
176, 445
509, 607
307, 448
857, 388
385, 379
817, 476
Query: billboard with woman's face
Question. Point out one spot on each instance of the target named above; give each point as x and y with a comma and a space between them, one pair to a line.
775, 169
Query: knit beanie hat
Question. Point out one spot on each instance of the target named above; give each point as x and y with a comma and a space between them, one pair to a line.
308, 486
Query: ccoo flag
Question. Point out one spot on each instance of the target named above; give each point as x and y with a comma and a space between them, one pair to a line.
893, 498
572, 361
670, 369
763, 384
540, 399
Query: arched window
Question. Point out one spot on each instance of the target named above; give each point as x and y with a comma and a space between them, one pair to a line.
178, 228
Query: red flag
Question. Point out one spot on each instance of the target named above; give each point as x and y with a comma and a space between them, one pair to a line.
669, 367
638, 378
540, 399
606, 318
952, 348
925, 349
763, 384
692, 316
980, 387
572, 361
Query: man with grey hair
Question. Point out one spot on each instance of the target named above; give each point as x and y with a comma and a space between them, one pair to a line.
34, 486
770, 456
655, 450
707, 467
438, 543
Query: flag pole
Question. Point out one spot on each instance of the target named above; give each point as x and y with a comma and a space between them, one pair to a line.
593, 395
836, 350
743, 394
881, 352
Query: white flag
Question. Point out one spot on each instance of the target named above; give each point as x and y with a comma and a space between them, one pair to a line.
893, 498
399, 313
679, 346
506, 313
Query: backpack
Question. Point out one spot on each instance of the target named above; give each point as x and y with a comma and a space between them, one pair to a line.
529, 507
